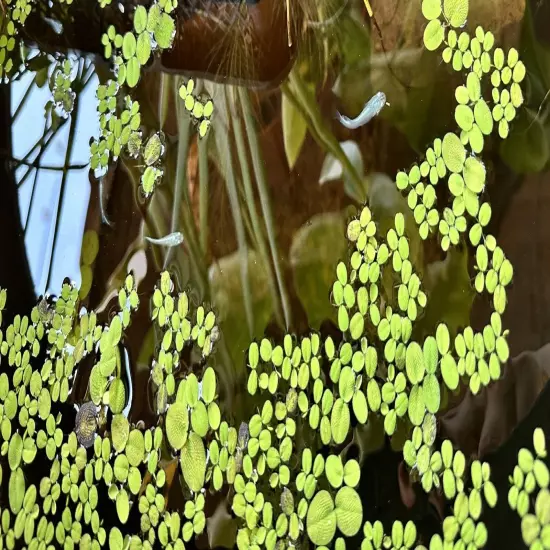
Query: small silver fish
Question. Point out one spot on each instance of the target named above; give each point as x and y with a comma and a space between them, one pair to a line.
173, 239
372, 108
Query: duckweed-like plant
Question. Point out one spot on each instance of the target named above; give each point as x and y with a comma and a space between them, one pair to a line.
286, 478
529, 483
120, 122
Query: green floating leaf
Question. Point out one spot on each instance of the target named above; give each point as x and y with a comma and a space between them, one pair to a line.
321, 519
431, 9
453, 152
164, 31
177, 425
434, 33
193, 462
456, 12
349, 511
340, 421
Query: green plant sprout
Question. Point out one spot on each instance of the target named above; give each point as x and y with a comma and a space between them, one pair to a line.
286, 475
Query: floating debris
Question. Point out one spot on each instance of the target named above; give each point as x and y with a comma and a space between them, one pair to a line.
85, 424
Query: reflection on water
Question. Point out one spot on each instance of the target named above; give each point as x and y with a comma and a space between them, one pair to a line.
238, 164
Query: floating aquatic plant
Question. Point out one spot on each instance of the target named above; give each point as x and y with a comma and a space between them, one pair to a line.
284, 487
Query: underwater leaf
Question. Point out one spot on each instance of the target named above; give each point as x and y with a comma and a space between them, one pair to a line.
332, 168
315, 251
321, 519
294, 130
527, 148
450, 294
221, 528
352, 84
227, 294
193, 462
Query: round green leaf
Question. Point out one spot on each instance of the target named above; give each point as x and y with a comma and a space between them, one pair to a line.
321, 519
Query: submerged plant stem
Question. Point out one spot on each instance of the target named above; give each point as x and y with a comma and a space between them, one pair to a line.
23, 101
35, 179
62, 195
203, 193
261, 181
227, 163
164, 98
181, 192
251, 205
43, 142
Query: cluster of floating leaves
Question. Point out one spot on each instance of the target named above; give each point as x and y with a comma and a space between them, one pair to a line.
200, 109
60, 85
153, 31
171, 314
529, 483
120, 131
62, 509
14, 17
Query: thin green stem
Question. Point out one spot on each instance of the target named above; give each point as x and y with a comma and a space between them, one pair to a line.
228, 169
164, 98
251, 204
181, 191
203, 192
307, 100
261, 181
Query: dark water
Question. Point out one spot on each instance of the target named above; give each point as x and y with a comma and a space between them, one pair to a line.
263, 204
